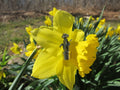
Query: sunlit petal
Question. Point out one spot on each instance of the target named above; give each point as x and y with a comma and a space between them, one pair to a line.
63, 21
46, 37
68, 76
77, 35
45, 65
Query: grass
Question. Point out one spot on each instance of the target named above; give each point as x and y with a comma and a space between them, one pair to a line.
14, 31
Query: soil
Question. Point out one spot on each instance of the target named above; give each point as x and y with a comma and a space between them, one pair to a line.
6, 16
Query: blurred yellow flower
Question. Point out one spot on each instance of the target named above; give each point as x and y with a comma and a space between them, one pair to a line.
29, 29
100, 25
93, 18
64, 50
90, 25
117, 31
16, 49
30, 48
102, 21
53, 12
2, 74
110, 32
119, 38
48, 22
81, 20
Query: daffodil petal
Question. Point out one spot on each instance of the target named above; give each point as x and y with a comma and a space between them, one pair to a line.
67, 78
53, 12
46, 37
77, 35
63, 21
48, 21
45, 64
16, 49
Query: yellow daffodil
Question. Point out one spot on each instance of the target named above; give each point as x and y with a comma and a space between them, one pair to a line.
100, 25
52, 13
48, 22
102, 21
119, 38
30, 47
81, 20
117, 31
90, 25
110, 32
64, 51
29, 29
16, 49
93, 18
2, 73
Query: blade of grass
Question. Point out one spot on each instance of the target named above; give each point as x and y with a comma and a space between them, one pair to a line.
17, 79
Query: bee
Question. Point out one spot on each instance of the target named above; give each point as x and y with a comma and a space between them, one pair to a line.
65, 45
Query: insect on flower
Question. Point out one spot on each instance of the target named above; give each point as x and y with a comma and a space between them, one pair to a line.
65, 45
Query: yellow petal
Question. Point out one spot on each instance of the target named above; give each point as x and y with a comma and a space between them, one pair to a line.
4, 75
81, 20
45, 64
28, 29
63, 21
16, 49
117, 31
46, 37
53, 12
48, 21
67, 78
59, 67
77, 35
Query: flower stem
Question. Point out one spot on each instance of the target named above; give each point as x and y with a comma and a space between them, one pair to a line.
17, 79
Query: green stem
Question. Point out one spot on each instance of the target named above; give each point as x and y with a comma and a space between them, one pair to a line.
17, 79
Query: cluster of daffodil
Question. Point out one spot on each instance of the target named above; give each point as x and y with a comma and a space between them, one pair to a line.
66, 46
112, 31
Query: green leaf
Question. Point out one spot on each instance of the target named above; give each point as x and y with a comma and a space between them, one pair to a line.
113, 83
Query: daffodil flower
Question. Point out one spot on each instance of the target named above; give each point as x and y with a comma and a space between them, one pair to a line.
100, 25
31, 46
81, 20
117, 31
29, 29
119, 38
64, 51
2, 73
16, 49
48, 22
110, 32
